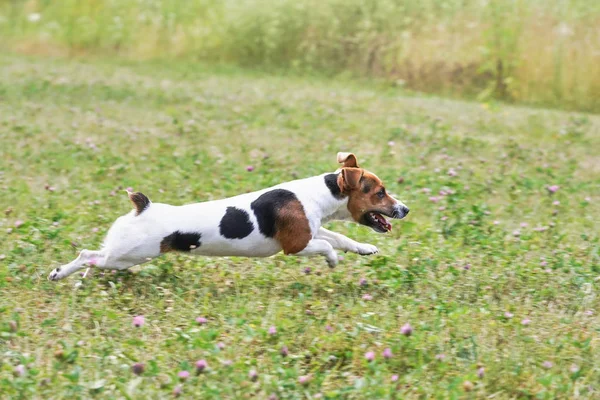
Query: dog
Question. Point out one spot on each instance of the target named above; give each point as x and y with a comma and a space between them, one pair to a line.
285, 217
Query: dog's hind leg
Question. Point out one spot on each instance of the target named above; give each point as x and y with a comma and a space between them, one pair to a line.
127, 243
97, 259
86, 258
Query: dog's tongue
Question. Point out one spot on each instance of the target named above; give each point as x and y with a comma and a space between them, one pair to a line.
383, 222
388, 226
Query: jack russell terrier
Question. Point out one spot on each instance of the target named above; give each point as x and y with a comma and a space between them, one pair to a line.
285, 217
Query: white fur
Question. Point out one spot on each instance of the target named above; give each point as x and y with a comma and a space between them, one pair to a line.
134, 239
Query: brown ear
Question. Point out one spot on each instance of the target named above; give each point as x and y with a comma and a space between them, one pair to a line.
351, 178
348, 159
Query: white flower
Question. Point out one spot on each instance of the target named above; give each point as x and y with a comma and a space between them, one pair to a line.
564, 30
34, 17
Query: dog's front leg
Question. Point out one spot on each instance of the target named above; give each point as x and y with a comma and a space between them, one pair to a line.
319, 246
341, 242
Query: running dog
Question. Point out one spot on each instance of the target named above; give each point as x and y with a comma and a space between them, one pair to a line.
285, 217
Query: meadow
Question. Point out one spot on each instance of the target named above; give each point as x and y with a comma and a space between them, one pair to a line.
488, 289
527, 51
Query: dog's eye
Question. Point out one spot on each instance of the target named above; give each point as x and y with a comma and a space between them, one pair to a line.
381, 194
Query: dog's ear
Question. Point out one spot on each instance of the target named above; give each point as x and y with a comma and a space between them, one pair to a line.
348, 159
350, 178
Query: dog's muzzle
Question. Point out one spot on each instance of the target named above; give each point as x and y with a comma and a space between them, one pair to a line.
400, 211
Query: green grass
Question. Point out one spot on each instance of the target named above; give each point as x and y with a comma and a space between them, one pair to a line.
529, 51
74, 133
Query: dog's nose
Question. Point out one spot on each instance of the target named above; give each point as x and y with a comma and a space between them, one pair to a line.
400, 211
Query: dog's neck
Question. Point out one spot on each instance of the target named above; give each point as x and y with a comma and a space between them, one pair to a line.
335, 205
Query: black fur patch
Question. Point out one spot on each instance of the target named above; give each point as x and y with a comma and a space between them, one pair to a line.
180, 241
267, 206
332, 185
235, 224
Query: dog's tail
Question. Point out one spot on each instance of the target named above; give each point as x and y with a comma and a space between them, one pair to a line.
139, 200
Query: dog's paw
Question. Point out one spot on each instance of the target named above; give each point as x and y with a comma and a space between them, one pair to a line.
365, 249
332, 259
55, 274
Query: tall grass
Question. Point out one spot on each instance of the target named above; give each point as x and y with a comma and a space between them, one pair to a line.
533, 51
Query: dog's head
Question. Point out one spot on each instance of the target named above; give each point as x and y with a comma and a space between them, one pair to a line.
368, 201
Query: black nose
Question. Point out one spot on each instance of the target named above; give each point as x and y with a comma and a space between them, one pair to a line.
400, 211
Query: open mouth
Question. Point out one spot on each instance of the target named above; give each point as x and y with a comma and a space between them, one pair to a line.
377, 222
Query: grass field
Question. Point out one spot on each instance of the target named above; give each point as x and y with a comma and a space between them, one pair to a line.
495, 269
528, 51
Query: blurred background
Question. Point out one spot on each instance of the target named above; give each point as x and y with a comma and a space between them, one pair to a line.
538, 52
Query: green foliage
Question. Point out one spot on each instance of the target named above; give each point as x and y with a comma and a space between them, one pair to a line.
531, 51
490, 268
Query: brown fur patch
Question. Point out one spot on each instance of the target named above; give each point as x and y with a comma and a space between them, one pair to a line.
165, 246
139, 200
292, 228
